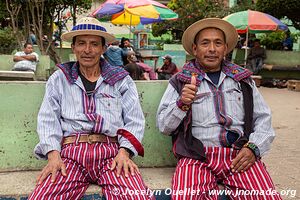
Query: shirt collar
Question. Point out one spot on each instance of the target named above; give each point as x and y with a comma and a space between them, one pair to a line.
110, 74
229, 69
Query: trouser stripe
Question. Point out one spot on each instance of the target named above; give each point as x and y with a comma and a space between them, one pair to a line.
194, 175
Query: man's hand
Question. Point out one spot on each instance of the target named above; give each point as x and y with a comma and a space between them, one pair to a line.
189, 91
158, 70
243, 161
122, 161
55, 164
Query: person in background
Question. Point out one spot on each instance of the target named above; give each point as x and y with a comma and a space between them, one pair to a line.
288, 42
26, 60
114, 54
127, 47
146, 68
135, 72
168, 69
220, 123
255, 57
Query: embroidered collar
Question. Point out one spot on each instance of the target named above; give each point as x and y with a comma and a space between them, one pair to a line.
111, 74
229, 69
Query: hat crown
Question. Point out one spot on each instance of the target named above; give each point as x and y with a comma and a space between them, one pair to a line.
88, 26
227, 28
88, 20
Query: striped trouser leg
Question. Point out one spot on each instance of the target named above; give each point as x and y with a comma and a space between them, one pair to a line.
255, 183
71, 187
113, 187
192, 180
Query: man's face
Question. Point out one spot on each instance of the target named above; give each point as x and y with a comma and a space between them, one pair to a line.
256, 44
28, 49
126, 43
210, 48
88, 49
167, 61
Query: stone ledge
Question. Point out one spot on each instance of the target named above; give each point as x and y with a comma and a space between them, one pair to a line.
18, 185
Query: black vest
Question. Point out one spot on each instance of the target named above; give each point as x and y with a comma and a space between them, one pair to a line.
186, 145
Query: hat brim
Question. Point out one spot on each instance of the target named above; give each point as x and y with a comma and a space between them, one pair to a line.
191, 32
69, 35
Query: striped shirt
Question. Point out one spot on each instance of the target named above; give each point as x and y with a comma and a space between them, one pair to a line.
216, 110
66, 110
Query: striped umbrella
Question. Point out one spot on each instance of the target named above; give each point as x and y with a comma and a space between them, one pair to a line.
250, 21
133, 12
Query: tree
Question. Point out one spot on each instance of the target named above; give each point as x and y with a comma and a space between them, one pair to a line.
39, 15
281, 8
189, 12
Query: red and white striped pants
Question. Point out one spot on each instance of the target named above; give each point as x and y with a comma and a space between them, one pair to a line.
89, 163
194, 179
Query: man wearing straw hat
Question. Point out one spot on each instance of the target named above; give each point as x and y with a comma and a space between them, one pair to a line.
220, 124
90, 124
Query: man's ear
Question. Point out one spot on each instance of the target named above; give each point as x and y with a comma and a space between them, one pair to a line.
194, 47
72, 47
226, 48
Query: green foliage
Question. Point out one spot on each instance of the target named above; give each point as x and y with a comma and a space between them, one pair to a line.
273, 40
242, 5
8, 41
281, 8
189, 12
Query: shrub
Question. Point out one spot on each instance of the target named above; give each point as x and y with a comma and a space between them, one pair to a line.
8, 41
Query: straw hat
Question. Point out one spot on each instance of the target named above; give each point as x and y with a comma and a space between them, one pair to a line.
190, 33
88, 26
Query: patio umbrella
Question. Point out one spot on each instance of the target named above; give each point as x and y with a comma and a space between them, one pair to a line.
250, 21
133, 12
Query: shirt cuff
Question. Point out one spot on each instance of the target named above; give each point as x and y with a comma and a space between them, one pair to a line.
41, 152
124, 143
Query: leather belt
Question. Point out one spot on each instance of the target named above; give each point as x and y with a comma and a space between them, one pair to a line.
90, 138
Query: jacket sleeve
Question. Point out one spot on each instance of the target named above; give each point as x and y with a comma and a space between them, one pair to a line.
169, 116
131, 134
48, 122
263, 134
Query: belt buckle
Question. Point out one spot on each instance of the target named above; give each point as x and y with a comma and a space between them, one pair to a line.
89, 139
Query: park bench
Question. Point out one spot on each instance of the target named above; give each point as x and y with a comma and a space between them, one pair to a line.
42, 72
18, 116
277, 65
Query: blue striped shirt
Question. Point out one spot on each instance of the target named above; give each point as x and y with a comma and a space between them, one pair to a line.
66, 110
216, 110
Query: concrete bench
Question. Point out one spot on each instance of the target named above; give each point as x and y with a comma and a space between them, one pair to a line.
42, 72
18, 114
17, 75
277, 65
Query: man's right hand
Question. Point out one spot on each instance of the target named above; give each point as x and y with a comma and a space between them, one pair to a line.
189, 91
55, 164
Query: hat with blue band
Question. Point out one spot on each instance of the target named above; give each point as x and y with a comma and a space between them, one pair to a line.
88, 26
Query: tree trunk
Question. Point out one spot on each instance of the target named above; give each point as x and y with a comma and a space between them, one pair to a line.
14, 10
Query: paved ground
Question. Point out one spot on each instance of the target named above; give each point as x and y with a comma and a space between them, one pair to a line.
283, 161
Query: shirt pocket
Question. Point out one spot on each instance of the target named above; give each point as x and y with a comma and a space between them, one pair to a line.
234, 104
108, 103
203, 109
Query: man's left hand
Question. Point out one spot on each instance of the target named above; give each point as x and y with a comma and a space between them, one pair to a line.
122, 161
243, 161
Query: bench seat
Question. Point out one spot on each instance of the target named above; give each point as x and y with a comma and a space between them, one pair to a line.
18, 185
17, 75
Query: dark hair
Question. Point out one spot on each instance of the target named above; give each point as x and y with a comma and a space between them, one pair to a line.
257, 40
123, 39
102, 40
134, 71
26, 44
197, 35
